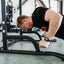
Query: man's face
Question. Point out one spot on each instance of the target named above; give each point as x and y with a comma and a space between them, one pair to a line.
25, 24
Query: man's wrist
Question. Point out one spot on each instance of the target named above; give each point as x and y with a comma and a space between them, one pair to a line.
46, 39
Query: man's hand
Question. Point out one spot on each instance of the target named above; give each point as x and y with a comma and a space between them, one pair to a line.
43, 44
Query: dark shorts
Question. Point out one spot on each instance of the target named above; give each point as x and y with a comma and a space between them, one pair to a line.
60, 32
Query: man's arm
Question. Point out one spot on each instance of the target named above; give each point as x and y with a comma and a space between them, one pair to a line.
54, 20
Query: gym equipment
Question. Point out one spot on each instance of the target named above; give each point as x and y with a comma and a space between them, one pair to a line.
9, 16
7, 37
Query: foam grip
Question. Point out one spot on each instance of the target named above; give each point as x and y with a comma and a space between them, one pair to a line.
53, 40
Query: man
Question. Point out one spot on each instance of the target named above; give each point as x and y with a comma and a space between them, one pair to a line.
43, 17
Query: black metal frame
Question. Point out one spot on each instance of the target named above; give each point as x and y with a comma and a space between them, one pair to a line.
61, 3
6, 37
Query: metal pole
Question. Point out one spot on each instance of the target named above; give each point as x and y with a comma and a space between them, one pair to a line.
20, 12
4, 32
61, 2
20, 7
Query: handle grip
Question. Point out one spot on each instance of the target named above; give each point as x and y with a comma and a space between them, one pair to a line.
53, 40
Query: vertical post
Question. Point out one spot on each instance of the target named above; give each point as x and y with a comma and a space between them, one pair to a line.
20, 12
4, 32
20, 7
61, 4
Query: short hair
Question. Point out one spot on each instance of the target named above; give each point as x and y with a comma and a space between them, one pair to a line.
20, 18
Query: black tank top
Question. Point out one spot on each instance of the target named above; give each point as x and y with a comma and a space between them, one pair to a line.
38, 18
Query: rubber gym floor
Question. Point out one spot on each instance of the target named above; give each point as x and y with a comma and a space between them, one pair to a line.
6, 58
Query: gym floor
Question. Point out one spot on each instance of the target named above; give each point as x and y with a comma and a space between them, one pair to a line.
32, 59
